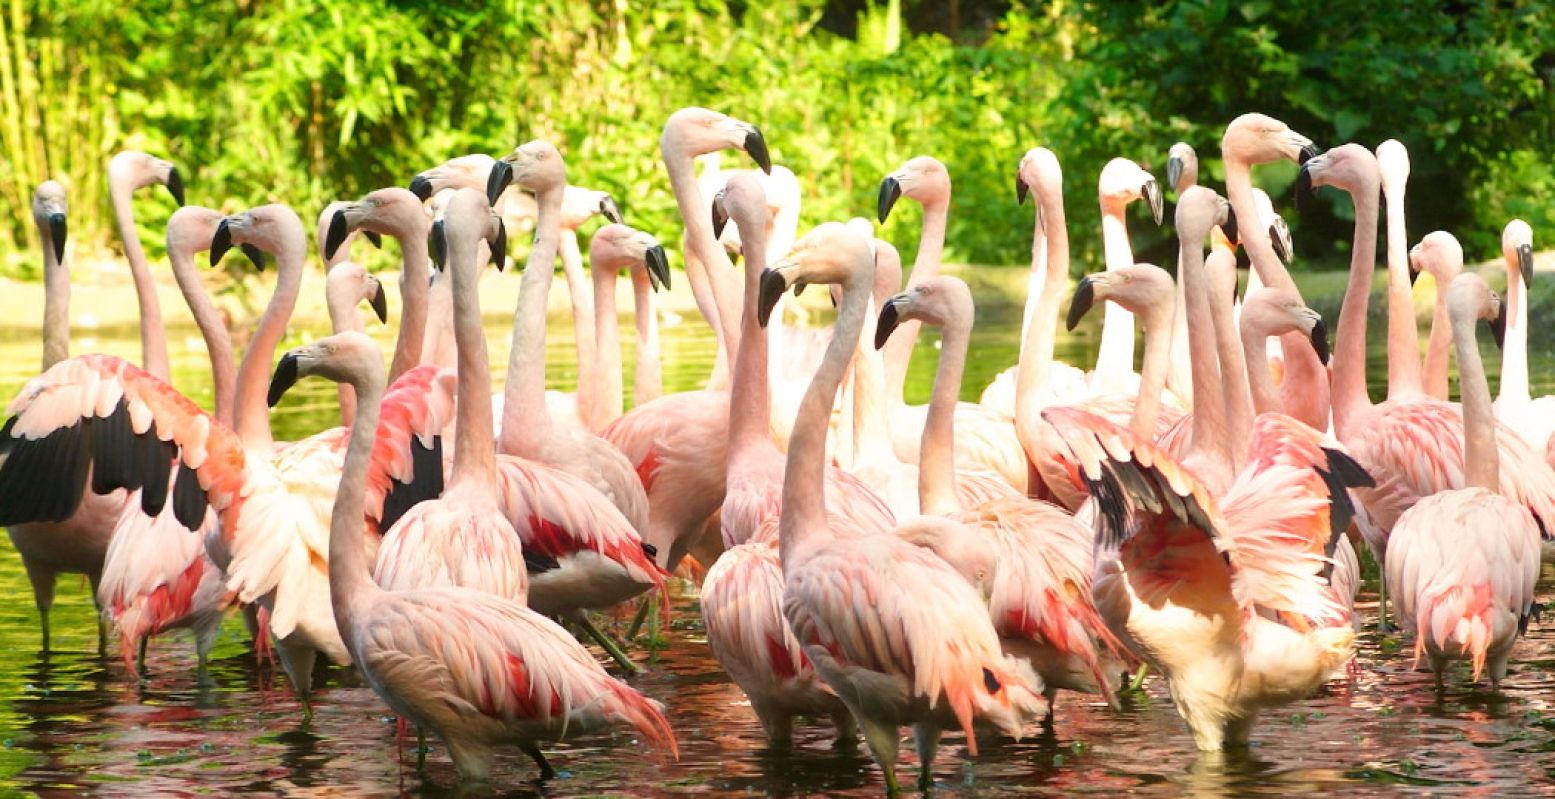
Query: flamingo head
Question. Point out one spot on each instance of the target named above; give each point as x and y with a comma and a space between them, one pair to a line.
137, 170
1469, 298
698, 131
348, 357
1122, 181
191, 228
1182, 166
615, 246
1262, 139
1517, 249
1348, 167
944, 301
390, 212
1270, 312
48, 211
831, 253
348, 283
475, 171
1143, 289
273, 229
923, 178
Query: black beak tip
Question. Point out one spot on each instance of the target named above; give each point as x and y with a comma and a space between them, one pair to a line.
658, 267
57, 236
1525, 264
421, 187
1152, 192
175, 186
1414, 274
772, 287
1084, 298
255, 255
376, 239
437, 246
1307, 153
1498, 327
499, 248
221, 242
1320, 341
1173, 171
756, 147
890, 190
720, 215
611, 211
380, 304
1229, 227
887, 324
284, 378
1021, 190
336, 235
497, 182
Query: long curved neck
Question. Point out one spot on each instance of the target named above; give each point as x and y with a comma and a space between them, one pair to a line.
343, 316
153, 341
804, 522
1403, 335
1437, 347
1036, 353
1209, 413
350, 582
871, 418
648, 379
475, 459
435, 342
1481, 456
750, 399
699, 243
925, 265
1255, 354
218, 343
583, 328
937, 450
607, 377
252, 413
415, 273
56, 306
1255, 239
1115, 357
1350, 397
1233, 367
1514, 352
1152, 374
525, 421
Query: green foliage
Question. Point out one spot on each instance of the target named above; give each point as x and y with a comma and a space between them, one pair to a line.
305, 101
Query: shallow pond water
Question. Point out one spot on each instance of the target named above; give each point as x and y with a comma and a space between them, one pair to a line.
76, 724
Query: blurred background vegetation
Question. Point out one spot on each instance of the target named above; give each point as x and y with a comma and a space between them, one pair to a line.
304, 101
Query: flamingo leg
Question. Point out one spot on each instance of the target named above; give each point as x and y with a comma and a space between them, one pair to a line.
643, 609
42, 595
1382, 608
140, 660
926, 739
421, 748
610, 647
546, 772
883, 741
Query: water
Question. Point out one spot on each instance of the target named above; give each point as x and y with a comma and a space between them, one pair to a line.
75, 724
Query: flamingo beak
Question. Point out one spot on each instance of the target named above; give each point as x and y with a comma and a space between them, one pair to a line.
255, 255
773, 284
284, 378
499, 247
222, 241
1174, 172
611, 211
1498, 325
497, 182
889, 319
756, 146
1319, 336
57, 235
890, 190
1021, 189
421, 187
1525, 263
437, 246
1084, 298
1279, 236
1152, 193
720, 214
375, 238
175, 185
338, 230
379, 303
1304, 183
1229, 227
658, 267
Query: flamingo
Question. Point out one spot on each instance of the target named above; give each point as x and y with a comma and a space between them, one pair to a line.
1462, 563
478, 669
1434, 368
1413, 447
344, 291
986, 443
1218, 587
1253, 139
1404, 375
678, 443
615, 247
893, 629
579, 205
742, 593
394, 212
1030, 558
1532, 418
1121, 182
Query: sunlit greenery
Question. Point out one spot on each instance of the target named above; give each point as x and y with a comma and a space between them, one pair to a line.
304, 101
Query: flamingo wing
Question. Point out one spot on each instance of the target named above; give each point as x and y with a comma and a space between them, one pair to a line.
407, 457
102, 416
742, 609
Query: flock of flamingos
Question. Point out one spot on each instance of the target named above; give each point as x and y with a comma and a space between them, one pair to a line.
869, 564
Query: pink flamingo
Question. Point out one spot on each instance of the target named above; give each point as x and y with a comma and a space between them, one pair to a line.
985, 443
1258, 139
742, 593
892, 628
579, 205
1413, 447
479, 669
1463, 563
1442, 271
1121, 182
51, 542
1533, 418
615, 247
1031, 559
394, 212
1224, 598
346, 284
678, 443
